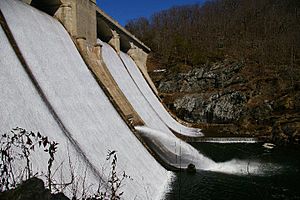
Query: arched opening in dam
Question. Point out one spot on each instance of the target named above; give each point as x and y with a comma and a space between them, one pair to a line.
47, 6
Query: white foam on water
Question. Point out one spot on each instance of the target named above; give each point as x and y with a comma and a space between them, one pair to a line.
228, 140
247, 167
181, 154
167, 188
239, 167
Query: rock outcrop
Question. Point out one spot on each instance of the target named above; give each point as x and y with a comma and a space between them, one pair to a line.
31, 189
258, 100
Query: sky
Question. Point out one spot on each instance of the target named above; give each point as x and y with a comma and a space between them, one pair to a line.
124, 10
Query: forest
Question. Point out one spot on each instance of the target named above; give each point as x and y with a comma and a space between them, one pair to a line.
261, 31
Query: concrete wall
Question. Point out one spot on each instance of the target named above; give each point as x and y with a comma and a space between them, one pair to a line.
83, 19
110, 31
140, 58
86, 20
93, 59
79, 18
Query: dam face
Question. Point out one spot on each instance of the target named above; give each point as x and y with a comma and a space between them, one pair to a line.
91, 97
158, 136
85, 123
156, 105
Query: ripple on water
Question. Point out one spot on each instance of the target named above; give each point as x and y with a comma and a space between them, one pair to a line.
273, 175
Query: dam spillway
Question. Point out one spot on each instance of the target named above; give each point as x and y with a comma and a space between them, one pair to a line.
74, 95
145, 89
46, 86
159, 137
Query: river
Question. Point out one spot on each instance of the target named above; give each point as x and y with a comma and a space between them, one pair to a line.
277, 175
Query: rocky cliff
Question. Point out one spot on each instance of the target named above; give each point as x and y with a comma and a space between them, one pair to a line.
234, 97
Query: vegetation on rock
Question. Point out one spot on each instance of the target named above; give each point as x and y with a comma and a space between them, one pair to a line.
231, 62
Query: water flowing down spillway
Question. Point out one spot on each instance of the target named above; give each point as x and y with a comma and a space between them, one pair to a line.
54, 92
130, 90
149, 95
175, 151
157, 135
74, 95
22, 106
153, 122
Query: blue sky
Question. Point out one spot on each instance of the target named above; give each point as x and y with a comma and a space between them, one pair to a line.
124, 10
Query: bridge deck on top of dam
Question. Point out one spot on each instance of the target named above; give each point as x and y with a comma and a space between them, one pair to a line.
124, 34
85, 14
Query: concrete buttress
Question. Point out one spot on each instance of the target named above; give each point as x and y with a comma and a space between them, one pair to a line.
140, 58
79, 18
115, 41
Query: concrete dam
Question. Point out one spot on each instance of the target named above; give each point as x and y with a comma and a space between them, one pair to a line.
72, 73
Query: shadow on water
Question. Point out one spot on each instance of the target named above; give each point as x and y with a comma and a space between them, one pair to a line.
280, 179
